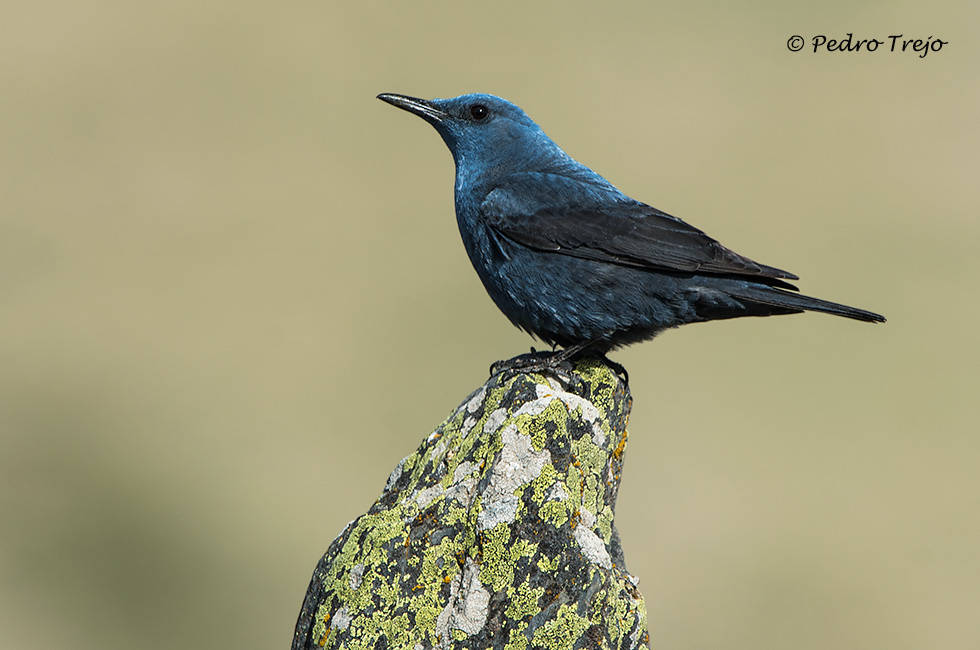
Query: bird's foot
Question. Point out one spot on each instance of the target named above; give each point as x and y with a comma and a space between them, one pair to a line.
533, 361
617, 368
558, 362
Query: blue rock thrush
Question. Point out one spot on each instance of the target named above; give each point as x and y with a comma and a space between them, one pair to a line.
571, 259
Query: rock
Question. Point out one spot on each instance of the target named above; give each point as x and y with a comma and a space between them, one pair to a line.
498, 532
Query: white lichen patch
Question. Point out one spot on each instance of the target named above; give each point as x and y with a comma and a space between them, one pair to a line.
424, 497
474, 402
519, 464
395, 475
467, 607
586, 518
598, 435
557, 492
356, 576
341, 619
494, 420
463, 470
440, 448
464, 483
593, 547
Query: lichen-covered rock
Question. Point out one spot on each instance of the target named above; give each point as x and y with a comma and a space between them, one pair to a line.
497, 533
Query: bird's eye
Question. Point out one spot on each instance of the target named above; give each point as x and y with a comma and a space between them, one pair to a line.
479, 111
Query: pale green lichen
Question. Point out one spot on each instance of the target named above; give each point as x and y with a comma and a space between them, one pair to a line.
516, 640
501, 554
548, 564
523, 601
563, 630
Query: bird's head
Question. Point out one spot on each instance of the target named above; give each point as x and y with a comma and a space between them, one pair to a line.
484, 131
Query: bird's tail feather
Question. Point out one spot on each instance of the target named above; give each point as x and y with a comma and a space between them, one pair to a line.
797, 302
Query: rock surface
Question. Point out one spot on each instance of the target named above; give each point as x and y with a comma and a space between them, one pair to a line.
496, 533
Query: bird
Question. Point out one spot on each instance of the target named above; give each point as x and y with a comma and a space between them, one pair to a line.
572, 260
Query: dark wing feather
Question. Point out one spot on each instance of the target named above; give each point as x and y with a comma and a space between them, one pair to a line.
621, 232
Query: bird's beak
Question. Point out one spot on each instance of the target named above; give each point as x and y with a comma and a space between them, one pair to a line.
421, 107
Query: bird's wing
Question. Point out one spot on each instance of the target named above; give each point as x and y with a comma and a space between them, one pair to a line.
621, 231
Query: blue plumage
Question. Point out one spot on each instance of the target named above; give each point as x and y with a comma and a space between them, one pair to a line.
572, 260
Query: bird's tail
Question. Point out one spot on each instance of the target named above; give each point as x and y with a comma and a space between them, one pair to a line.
787, 302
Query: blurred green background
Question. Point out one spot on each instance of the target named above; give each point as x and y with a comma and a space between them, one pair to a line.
232, 297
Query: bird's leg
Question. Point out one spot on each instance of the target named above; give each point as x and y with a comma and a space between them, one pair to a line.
572, 351
525, 362
618, 368
538, 361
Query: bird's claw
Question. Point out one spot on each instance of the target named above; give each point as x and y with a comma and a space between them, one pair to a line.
532, 362
559, 363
